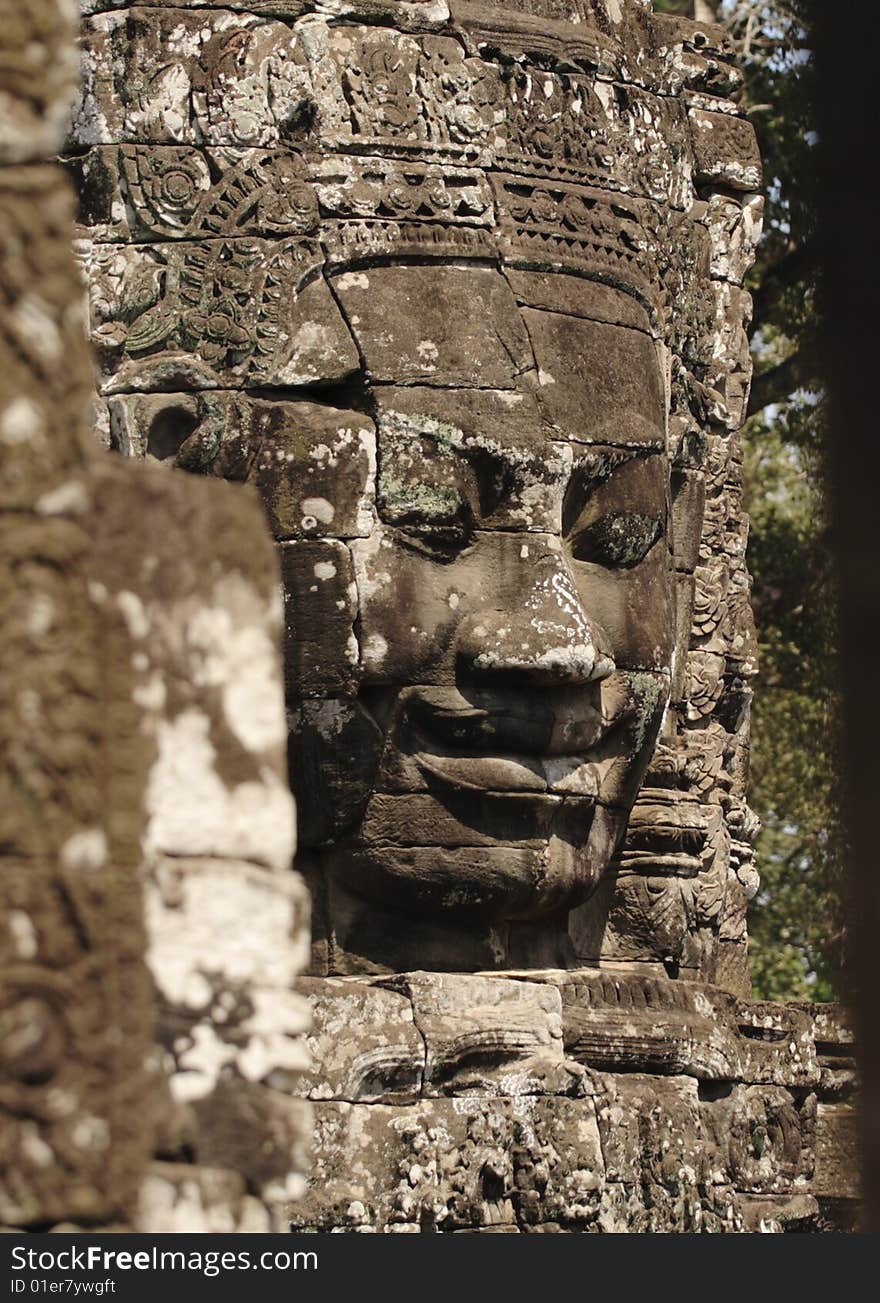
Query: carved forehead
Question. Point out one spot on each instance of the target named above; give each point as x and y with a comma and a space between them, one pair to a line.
521, 358
450, 324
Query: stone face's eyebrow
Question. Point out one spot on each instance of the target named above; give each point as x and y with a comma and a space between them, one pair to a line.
599, 464
515, 454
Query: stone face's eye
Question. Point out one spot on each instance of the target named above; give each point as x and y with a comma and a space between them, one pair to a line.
432, 517
618, 539
427, 489
615, 508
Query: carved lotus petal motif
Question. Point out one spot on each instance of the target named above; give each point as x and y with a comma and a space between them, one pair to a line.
710, 597
705, 683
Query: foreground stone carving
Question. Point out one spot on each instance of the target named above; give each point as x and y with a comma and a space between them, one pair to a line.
194, 576
74, 993
459, 288
144, 807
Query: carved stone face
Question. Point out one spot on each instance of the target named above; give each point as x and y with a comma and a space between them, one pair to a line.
407, 275
479, 589
514, 614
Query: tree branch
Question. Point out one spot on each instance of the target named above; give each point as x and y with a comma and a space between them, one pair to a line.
799, 371
780, 276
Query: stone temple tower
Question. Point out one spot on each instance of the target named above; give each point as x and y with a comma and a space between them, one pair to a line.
458, 287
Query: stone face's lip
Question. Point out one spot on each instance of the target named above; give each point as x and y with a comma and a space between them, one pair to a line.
485, 773
512, 744
509, 726
488, 774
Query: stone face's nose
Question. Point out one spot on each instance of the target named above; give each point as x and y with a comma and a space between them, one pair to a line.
542, 635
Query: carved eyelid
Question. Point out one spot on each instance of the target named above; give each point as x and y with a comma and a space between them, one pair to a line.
601, 462
621, 540
419, 500
589, 472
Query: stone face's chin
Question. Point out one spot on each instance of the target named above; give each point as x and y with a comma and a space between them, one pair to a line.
542, 871
491, 903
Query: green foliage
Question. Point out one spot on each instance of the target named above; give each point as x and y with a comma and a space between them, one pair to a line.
796, 925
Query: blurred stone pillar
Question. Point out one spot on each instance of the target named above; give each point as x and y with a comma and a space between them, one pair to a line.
74, 992
144, 808
190, 568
